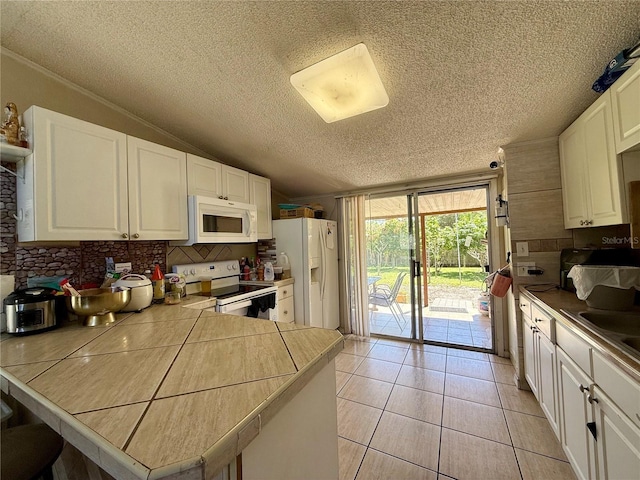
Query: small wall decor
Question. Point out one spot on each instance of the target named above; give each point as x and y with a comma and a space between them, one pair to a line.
11, 126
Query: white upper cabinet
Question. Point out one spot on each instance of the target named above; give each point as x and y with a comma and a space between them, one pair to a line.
86, 182
572, 156
235, 184
157, 191
212, 179
80, 189
260, 196
204, 176
592, 181
625, 99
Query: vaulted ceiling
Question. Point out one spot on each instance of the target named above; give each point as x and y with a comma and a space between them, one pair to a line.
463, 77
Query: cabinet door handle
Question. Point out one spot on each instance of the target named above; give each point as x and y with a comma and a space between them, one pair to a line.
591, 399
284, 292
285, 312
592, 428
220, 197
583, 388
582, 222
537, 319
589, 222
124, 235
226, 198
136, 235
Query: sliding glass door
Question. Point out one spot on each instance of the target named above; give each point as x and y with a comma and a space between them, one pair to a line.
427, 257
388, 258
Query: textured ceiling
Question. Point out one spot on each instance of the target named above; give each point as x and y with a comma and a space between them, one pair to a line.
463, 77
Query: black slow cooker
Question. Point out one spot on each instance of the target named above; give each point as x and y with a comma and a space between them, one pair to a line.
30, 310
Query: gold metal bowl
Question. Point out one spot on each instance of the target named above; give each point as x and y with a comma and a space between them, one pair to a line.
96, 305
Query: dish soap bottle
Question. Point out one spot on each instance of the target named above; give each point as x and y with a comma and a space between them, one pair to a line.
268, 272
283, 261
158, 285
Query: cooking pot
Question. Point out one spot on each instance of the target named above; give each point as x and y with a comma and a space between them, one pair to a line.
141, 291
30, 310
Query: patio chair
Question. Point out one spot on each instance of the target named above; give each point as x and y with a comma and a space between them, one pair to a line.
385, 296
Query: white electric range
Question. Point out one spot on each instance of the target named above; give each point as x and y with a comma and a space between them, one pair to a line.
231, 297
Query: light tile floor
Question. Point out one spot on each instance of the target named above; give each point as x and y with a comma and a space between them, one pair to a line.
408, 411
468, 329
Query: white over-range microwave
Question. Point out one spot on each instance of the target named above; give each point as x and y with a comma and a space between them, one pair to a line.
213, 220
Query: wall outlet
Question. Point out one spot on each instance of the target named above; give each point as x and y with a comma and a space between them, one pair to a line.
522, 249
523, 268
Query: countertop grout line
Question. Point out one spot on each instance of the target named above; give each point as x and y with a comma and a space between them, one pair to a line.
175, 395
153, 396
64, 358
288, 351
107, 408
230, 338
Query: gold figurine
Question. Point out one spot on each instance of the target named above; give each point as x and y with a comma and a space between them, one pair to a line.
11, 126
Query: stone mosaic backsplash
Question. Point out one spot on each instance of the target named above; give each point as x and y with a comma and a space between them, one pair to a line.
84, 262
7, 222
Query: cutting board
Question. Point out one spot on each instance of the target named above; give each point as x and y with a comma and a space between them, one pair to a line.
634, 213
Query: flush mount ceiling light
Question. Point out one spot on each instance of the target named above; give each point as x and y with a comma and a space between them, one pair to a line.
343, 85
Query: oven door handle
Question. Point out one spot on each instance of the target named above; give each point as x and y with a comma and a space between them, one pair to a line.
234, 306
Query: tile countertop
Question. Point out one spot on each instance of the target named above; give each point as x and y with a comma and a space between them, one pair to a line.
564, 307
164, 391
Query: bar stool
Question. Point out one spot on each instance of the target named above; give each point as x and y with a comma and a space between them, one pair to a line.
28, 451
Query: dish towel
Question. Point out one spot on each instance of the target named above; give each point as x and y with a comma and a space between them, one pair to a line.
586, 277
261, 304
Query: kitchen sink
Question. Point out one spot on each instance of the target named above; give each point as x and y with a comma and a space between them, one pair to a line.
624, 323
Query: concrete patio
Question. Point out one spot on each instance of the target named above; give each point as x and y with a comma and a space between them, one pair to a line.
447, 320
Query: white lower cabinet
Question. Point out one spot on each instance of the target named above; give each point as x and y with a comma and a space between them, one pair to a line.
529, 345
540, 369
285, 304
618, 440
597, 412
575, 416
547, 389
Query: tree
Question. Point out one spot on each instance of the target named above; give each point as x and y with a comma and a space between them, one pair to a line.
474, 225
387, 240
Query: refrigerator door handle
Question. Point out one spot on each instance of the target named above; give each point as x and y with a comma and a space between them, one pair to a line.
323, 261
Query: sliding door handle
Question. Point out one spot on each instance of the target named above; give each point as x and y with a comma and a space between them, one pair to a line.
416, 268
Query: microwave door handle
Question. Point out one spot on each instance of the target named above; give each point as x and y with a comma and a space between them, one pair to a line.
247, 222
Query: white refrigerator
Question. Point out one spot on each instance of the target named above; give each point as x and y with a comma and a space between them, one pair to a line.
312, 247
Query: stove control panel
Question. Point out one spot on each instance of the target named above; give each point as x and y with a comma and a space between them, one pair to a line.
194, 272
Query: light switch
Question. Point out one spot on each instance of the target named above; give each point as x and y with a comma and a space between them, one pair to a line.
522, 249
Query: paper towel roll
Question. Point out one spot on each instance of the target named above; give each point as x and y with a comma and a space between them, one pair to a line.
7, 284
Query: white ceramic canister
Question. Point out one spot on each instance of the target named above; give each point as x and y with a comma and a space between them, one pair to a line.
141, 291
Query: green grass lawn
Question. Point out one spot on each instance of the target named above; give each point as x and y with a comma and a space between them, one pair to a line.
471, 276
